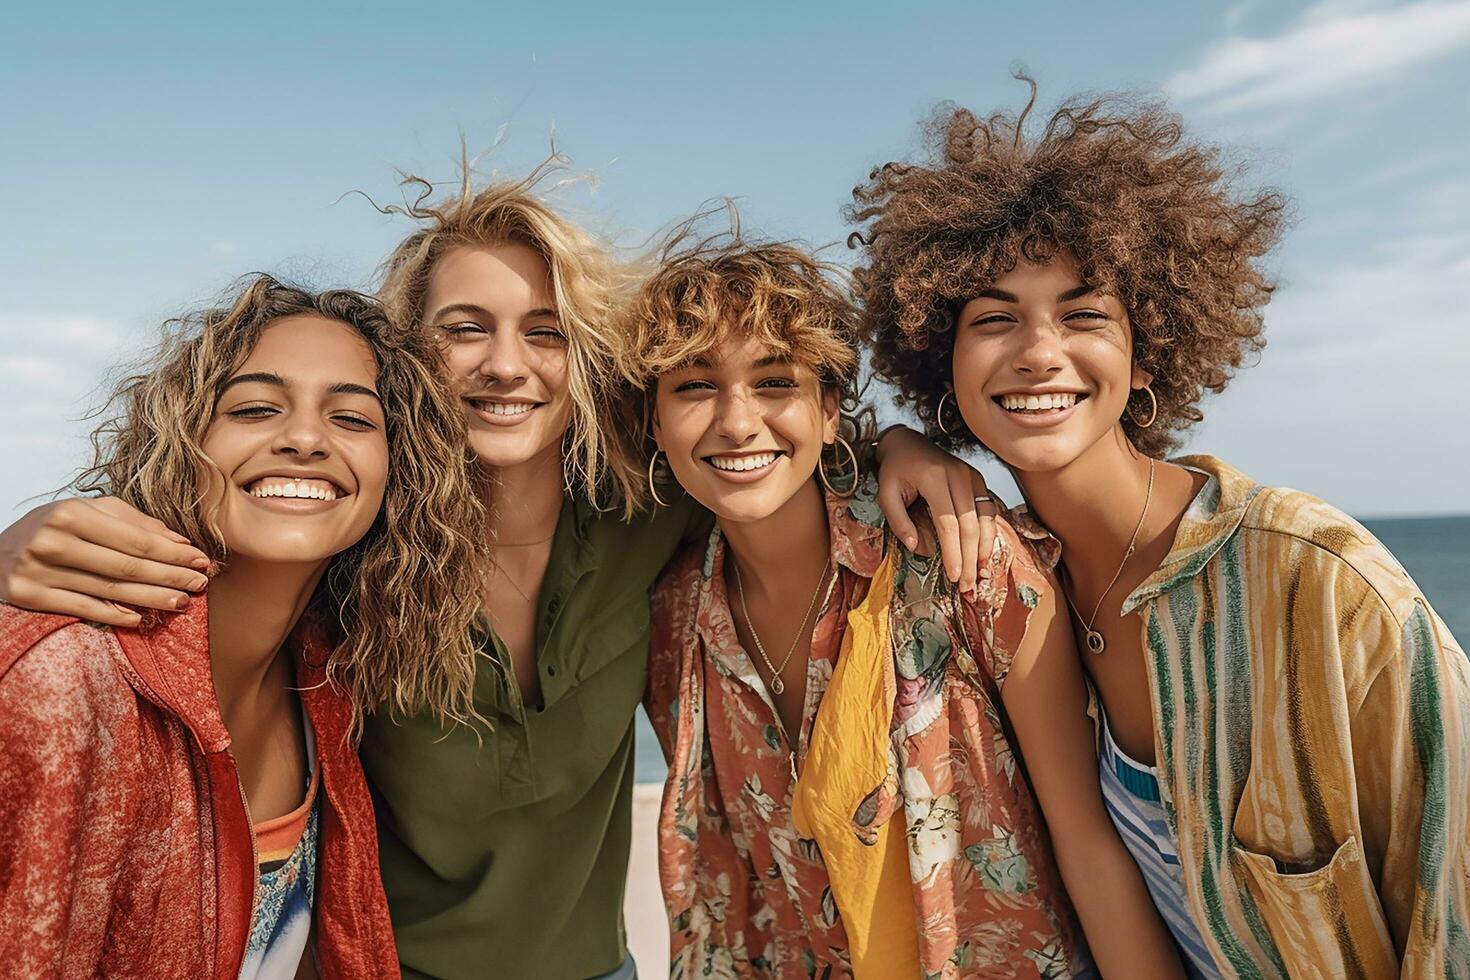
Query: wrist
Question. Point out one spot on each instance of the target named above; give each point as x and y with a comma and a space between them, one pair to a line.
885, 432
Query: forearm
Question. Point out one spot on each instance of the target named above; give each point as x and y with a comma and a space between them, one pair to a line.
1124, 930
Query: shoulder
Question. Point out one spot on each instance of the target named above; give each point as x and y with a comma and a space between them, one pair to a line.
53, 654
646, 543
676, 592
1324, 545
62, 689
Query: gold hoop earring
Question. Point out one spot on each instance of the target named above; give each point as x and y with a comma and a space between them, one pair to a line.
652, 489
1153, 408
822, 471
939, 412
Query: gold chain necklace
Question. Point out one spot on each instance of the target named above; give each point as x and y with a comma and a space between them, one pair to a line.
1092, 638
777, 685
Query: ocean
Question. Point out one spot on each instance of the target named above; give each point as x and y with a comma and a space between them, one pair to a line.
1434, 550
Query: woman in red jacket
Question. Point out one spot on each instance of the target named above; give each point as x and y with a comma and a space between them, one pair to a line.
183, 799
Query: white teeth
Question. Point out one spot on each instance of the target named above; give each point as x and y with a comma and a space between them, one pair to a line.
505, 408
308, 489
739, 464
1038, 403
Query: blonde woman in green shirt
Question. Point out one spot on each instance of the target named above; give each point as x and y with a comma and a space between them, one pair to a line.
504, 847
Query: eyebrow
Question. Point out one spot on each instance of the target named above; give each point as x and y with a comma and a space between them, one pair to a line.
276, 381
1076, 292
474, 309
770, 360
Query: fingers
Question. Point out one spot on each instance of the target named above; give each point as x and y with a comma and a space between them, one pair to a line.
59, 541
106, 564
969, 528
987, 512
111, 590
946, 529
130, 514
75, 604
896, 511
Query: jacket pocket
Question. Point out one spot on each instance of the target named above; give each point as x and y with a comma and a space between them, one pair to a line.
1326, 922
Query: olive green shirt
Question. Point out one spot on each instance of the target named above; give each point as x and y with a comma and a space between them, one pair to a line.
508, 858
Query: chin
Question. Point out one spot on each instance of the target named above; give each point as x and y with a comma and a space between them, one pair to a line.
504, 449
280, 545
1037, 455
286, 552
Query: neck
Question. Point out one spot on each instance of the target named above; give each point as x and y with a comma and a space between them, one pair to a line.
782, 554
253, 606
1093, 504
526, 499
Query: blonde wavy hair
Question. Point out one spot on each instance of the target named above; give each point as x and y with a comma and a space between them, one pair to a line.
397, 607
600, 448
710, 290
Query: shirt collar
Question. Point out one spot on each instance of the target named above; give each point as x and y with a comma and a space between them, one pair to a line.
1213, 516
856, 527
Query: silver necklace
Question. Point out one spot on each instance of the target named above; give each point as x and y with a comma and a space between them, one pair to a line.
1092, 638
777, 685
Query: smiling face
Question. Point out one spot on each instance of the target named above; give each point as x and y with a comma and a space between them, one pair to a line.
1043, 365
506, 351
743, 430
298, 436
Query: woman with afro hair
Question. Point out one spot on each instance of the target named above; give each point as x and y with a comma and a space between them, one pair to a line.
1283, 723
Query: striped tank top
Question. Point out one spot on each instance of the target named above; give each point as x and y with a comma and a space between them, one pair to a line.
1131, 792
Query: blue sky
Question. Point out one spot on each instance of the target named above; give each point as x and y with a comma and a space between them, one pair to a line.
150, 156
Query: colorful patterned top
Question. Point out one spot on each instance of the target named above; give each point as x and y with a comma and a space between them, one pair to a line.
1312, 740
746, 895
286, 852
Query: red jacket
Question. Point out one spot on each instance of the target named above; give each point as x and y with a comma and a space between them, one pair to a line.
125, 847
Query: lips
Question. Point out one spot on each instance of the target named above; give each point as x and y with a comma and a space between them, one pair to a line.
311, 488
1044, 401
744, 467
498, 412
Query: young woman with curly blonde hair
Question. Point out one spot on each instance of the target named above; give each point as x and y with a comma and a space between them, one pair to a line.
504, 843
1283, 723
181, 797
844, 796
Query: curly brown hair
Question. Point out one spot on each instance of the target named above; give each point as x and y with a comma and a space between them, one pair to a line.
1151, 217
399, 604
707, 290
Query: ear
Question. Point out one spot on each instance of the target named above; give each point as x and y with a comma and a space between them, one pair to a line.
831, 415
1140, 378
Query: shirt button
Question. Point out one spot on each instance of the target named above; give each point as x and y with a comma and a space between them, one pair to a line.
551, 671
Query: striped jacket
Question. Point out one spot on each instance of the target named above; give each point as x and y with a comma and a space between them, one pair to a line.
1312, 738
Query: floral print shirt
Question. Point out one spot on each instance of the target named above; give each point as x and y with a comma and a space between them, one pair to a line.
746, 895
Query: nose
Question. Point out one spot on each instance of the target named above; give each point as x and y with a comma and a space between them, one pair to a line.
737, 417
1040, 352
504, 361
304, 436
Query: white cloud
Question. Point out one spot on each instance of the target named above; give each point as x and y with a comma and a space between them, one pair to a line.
1405, 293
1360, 387
1335, 47
52, 371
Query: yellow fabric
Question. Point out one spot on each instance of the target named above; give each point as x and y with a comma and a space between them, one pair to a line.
846, 762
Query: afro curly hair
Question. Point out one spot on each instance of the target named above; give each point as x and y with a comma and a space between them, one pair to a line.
1150, 216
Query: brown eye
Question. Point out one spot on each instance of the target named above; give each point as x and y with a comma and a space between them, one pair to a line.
253, 412
354, 422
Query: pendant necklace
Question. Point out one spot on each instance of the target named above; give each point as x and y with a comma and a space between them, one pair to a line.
777, 685
1092, 638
